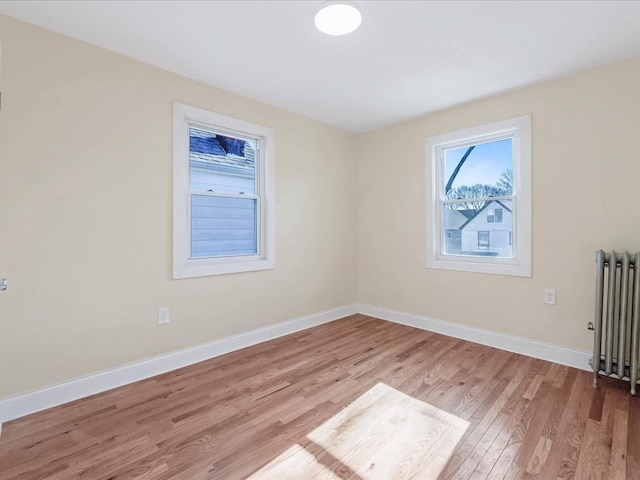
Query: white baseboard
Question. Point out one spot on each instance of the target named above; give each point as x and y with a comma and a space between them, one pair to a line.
545, 351
26, 404
22, 405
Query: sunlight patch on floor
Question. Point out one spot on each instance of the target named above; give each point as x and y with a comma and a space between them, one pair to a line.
294, 464
384, 434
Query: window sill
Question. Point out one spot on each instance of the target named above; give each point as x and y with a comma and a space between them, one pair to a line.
509, 267
204, 268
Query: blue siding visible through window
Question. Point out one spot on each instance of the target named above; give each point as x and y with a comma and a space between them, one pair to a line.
223, 226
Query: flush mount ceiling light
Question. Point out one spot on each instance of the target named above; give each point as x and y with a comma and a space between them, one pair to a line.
337, 17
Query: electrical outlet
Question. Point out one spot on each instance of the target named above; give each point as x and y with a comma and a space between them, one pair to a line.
550, 296
163, 316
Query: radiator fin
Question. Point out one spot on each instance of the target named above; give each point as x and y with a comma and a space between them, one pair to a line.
617, 316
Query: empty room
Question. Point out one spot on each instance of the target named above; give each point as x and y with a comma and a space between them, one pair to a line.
364, 240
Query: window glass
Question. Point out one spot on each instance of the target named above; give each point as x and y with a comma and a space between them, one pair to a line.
221, 163
464, 229
483, 240
222, 169
223, 194
479, 170
478, 184
479, 194
223, 226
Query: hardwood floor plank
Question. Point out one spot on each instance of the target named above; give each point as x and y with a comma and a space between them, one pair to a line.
534, 422
594, 458
597, 403
633, 439
574, 434
489, 467
292, 408
618, 467
468, 467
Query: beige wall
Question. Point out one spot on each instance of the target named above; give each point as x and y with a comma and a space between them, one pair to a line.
85, 215
586, 196
85, 212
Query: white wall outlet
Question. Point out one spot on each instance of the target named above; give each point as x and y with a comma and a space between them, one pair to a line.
163, 315
550, 296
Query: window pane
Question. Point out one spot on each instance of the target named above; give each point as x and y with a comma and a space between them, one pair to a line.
483, 240
223, 226
479, 171
486, 231
220, 163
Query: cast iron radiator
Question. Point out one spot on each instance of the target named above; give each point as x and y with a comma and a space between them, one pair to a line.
617, 317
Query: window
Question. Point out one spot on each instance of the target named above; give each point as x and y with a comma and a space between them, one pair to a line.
223, 198
494, 215
483, 240
479, 199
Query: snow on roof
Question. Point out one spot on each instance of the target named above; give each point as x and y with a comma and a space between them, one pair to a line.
210, 147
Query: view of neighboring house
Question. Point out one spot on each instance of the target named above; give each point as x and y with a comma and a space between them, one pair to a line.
221, 173
453, 220
220, 163
485, 232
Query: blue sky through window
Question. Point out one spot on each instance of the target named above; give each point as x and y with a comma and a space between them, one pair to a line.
484, 165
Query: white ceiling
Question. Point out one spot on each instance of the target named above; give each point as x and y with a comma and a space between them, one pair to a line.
406, 59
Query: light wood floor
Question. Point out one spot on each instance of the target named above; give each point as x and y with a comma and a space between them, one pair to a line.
356, 399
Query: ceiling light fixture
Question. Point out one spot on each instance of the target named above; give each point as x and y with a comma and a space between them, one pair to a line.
337, 17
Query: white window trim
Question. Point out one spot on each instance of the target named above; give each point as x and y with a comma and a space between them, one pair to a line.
520, 128
183, 265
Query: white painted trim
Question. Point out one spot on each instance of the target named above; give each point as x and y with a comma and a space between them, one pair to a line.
183, 265
29, 403
22, 405
545, 351
520, 130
